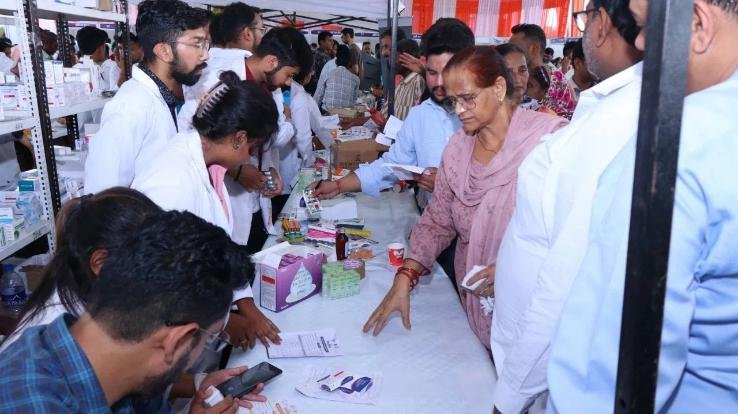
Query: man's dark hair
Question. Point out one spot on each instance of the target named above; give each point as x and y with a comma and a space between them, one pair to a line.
89, 38
176, 269
446, 35
349, 31
408, 46
343, 56
99, 222
302, 51
163, 21
549, 51
568, 47
577, 52
231, 22
367, 43
131, 37
324, 35
621, 16
282, 43
532, 32
388, 32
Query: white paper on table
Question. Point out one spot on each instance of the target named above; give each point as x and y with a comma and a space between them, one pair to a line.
311, 386
339, 209
404, 172
392, 127
320, 343
383, 139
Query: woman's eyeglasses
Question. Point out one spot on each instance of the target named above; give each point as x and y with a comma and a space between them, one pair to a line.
467, 101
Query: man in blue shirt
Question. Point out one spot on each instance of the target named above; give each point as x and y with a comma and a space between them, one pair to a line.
160, 300
427, 128
697, 369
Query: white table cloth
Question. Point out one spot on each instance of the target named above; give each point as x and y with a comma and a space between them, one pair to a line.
437, 367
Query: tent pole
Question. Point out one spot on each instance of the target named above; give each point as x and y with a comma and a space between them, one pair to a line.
657, 152
394, 4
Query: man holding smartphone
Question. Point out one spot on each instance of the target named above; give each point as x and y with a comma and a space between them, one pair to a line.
161, 299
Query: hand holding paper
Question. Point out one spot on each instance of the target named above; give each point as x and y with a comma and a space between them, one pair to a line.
404, 172
426, 180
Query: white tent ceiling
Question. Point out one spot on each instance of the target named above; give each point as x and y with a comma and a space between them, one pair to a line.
371, 9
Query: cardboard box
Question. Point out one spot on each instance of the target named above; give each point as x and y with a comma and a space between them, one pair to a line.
105, 5
350, 154
284, 284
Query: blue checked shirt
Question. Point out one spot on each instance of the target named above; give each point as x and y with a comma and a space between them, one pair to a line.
340, 89
45, 371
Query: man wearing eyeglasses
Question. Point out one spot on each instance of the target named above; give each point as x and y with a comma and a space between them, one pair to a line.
161, 300
547, 236
697, 366
139, 121
425, 132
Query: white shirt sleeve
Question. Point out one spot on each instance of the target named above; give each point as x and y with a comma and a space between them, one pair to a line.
113, 150
110, 73
304, 134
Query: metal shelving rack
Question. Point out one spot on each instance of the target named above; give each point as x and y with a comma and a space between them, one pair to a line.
13, 12
62, 14
24, 14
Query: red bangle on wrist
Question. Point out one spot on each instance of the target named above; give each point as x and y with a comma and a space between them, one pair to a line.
338, 185
412, 274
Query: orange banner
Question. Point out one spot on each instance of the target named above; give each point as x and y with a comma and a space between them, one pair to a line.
422, 15
510, 14
466, 11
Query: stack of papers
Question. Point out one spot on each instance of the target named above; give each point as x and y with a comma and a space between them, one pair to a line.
321, 343
391, 129
354, 134
339, 209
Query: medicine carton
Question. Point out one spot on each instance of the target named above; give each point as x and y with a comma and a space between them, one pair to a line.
288, 275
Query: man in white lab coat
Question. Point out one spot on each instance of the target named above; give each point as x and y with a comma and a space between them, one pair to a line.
91, 41
237, 32
141, 118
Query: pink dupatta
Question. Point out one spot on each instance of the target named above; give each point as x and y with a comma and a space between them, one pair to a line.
492, 189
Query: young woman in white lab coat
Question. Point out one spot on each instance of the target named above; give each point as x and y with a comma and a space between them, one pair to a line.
234, 119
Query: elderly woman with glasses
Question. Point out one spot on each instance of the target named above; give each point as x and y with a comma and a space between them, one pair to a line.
475, 186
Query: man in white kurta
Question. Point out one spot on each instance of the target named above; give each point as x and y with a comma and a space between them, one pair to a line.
548, 233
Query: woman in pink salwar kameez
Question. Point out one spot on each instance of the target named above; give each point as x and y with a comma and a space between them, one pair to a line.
474, 195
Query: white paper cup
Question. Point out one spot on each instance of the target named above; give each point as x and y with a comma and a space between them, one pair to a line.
396, 254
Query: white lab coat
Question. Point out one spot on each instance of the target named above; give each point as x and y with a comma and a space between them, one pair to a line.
136, 124
219, 60
298, 152
244, 203
110, 73
179, 180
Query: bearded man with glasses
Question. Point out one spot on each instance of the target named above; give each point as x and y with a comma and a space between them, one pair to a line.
139, 121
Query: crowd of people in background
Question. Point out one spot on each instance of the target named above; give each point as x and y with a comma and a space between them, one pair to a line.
528, 162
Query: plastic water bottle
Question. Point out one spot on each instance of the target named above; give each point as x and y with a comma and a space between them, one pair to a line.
12, 290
